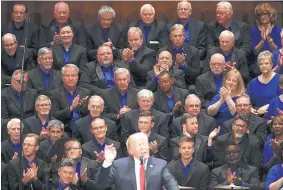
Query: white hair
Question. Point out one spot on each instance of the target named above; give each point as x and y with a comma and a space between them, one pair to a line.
8, 35
61, 2
106, 9
191, 96
226, 33
43, 50
96, 97
122, 70
41, 98
13, 121
135, 29
147, 6
70, 65
145, 93
225, 4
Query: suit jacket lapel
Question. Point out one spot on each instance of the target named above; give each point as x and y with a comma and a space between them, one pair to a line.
152, 32
139, 54
192, 170
197, 146
130, 98
10, 150
83, 165
99, 72
163, 99
149, 171
131, 170
74, 54
18, 58
14, 99
233, 56
180, 171
243, 144
59, 55
117, 96
235, 30
211, 80
251, 123
63, 96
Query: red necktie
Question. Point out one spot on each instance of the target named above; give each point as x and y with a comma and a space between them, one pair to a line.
142, 177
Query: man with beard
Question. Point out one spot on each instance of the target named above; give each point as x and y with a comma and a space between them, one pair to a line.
235, 170
249, 145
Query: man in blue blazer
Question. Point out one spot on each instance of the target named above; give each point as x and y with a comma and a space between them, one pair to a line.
126, 173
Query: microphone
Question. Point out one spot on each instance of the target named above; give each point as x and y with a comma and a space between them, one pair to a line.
142, 160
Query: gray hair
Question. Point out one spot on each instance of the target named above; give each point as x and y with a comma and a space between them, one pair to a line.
70, 65
43, 51
19, 71
177, 27
226, 33
145, 93
56, 124
191, 96
225, 4
106, 9
122, 70
185, 1
61, 2
135, 29
96, 97
42, 98
147, 6
9, 35
217, 55
13, 121
66, 162
265, 55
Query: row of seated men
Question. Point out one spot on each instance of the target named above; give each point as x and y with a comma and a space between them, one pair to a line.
44, 161
80, 45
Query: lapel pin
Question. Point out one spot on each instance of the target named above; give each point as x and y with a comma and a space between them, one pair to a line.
151, 166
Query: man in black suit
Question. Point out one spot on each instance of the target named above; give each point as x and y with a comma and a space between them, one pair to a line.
105, 32
248, 144
168, 98
97, 75
190, 129
67, 51
68, 101
129, 122
11, 147
121, 98
157, 143
94, 148
193, 107
256, 125
195, 30
155, 33
11, 100
44, 78
187, 170
224, 21
138, 58
131, 170
49, 32
185, 57
208, 84
12, 55
19, 25
82, 130
234, 57
37, 124
164, 63
33, 167
235, 170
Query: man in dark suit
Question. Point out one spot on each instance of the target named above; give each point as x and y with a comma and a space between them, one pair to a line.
157, 143
131, 170
68, 101
49, 32
208, 84
164, 63
235, 170
190, 129
97, 75
11, 100
12, 55
206, 124
19, 25
37, 124
4, 176
223, 22
121, 98
105, 32
155, 33
138, 58
185, 57
11, 147
248, 144
234, 57
129, 122
187, 170
195, 30
168, 98
82, 130
33, 167
68, 52
94, 149
256, 125
44, 78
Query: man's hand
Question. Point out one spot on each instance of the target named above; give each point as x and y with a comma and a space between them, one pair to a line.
84, 175
34, 171
180, 60
77, 102
27, 175
54, 158
212, 135
100, 156
123, 110
56, 39
127, 55
109, 43
110, 153
229, 176
75, 179
156, 70
15, 155
229, 66
43, 133
176, 107
153, 146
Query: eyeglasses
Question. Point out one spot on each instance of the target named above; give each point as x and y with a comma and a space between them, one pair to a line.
240, 126
98, 128
19, 81
28, 145
221, 13
194, 106
7, 46
95, 107
216, 64
73, 149
242, 105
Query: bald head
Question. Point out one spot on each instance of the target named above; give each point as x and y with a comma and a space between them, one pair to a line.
184, 10
217, 63
10, 44
165, 57
61, 13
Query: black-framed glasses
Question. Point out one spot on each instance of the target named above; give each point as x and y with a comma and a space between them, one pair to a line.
239, 126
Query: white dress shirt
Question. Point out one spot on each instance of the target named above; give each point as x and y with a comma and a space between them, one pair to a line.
137, 171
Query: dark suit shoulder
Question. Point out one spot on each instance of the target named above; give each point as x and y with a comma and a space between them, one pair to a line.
4, 144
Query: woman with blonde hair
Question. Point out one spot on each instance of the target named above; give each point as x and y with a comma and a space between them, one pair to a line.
266, 35
265, 87
222, 106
